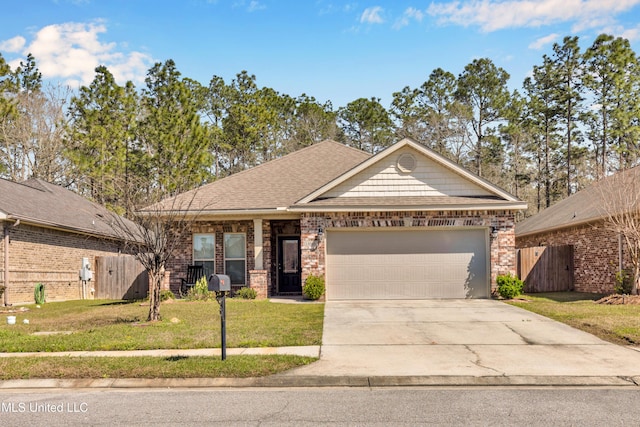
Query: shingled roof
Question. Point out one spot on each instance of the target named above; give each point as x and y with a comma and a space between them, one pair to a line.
38, 202
273, 185
583, 207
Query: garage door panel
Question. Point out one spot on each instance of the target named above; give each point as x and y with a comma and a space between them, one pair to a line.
406, 264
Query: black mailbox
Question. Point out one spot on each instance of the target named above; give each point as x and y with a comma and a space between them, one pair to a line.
219, 283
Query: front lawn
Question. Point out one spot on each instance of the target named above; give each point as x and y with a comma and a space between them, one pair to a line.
619, 324
117, 325
147, 367
120, 325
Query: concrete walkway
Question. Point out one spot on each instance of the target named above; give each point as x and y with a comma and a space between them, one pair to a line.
309, 351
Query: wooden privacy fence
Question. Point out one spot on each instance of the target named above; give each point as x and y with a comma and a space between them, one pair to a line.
120, 277
546, 268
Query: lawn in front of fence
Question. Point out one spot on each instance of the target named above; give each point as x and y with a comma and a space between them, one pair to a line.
619, 324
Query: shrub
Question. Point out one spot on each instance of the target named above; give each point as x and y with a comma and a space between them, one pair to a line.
246, 293
509, 286
313, 287
624, 283
166, 294
200, 291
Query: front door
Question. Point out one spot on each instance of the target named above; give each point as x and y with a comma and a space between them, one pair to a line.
289, 265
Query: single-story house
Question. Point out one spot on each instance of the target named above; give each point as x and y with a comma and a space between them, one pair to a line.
579, 221
404, 223
46, 232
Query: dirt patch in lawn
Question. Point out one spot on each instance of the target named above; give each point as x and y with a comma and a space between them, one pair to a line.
620, 300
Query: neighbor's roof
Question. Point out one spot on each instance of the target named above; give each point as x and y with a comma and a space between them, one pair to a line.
275, 184
38, 202
583, 207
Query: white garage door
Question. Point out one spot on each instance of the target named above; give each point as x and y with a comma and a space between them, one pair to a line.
411, 264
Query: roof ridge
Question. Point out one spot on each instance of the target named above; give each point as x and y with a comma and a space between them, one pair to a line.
32, 183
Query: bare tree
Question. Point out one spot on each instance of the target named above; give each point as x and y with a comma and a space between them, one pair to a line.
153, 233
32, 138
620, 204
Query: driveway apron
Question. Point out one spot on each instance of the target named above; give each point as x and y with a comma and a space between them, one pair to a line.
459, 338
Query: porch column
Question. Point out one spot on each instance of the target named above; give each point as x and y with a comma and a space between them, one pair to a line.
257, 244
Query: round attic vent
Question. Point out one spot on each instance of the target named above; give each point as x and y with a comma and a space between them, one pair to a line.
406, 162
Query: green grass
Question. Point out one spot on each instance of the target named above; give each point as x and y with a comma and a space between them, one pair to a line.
117, 325
147, 367
619, 324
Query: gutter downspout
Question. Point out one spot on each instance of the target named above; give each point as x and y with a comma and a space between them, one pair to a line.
6, 264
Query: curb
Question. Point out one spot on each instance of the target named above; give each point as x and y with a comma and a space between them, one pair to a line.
277, 381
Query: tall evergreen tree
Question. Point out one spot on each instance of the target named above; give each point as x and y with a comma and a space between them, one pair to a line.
519, 145
431, 114
101, 140
366, 124
314, 122
171, 132
540, 90
240, 124
567, 64
611, 74
483, 88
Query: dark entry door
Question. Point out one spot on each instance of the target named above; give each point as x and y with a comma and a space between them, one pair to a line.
289, 265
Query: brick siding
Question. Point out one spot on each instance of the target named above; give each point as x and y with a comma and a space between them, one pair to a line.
596, 254
502, 243
183, 255
50, 257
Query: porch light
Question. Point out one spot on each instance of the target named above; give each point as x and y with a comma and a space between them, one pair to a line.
320, 234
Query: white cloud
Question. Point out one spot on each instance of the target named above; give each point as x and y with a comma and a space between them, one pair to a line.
13, 45
409, 14
71, 52
544, 41
371, 15
255, 5
250, 6
493, 15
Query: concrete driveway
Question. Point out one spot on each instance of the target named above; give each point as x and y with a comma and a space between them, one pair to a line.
459, 338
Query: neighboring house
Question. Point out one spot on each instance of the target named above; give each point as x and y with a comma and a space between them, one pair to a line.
579, 221
405, 223
47, 230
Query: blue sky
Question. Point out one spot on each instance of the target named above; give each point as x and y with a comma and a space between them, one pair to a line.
332, 50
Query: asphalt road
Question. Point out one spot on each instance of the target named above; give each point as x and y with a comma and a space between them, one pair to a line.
474, 406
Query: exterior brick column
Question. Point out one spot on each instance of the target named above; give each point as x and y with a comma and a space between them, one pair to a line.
258, 282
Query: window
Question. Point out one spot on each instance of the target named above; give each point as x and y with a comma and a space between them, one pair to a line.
204, 252
235, 257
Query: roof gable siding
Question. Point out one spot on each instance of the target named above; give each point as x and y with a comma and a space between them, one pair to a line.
427, 179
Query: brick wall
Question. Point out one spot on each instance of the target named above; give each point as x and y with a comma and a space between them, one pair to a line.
596, 254
51, 257
502, 243
183, 256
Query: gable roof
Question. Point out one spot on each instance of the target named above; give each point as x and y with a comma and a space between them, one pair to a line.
40, 203
440, 184
583, 207
275, 185
306, 180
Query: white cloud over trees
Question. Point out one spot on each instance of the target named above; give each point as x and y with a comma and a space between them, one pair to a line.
71, 51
